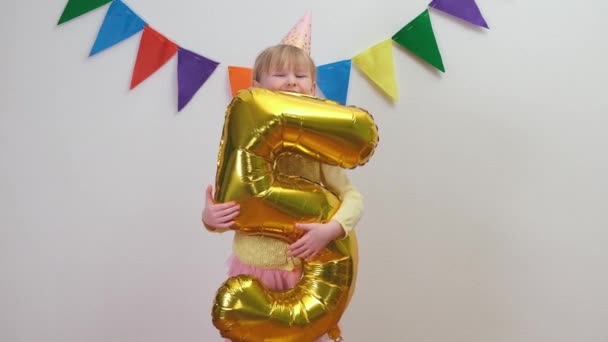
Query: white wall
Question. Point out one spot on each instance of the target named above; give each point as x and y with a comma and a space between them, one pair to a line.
485, 201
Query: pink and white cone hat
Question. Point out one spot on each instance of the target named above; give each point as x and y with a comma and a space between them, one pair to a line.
299, 35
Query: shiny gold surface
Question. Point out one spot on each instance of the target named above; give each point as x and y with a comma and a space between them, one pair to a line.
260, 125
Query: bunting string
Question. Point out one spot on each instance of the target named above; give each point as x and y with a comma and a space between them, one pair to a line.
193, 70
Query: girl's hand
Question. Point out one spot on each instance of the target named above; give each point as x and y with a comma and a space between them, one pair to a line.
317, 236
218, 216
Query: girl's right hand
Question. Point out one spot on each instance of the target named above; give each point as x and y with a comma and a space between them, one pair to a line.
218, 215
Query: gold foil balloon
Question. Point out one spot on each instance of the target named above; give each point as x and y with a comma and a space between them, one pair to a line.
260, 125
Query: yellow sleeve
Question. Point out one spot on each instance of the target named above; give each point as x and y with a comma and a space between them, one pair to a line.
351, 208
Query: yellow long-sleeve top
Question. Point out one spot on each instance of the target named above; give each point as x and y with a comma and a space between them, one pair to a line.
266, 252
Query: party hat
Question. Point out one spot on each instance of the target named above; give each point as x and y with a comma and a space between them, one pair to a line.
299, 35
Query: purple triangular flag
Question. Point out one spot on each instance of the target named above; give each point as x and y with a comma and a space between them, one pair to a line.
192, 72
464, 9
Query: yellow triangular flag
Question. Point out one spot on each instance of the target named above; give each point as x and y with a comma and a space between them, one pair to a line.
377, 63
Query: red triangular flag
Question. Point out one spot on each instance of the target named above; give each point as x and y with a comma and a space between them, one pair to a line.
154, 51
240, 78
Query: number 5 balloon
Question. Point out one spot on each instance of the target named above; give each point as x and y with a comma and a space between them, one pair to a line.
260, 125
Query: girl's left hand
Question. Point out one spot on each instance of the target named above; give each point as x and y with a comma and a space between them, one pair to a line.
317, 236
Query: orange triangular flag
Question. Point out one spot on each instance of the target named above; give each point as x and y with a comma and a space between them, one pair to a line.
154, 51
377, 64
240, 78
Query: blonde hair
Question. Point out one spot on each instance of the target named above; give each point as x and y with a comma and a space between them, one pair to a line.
282, 56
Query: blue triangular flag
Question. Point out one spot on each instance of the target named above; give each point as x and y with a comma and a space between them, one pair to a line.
119, 24
333, 80
192, 72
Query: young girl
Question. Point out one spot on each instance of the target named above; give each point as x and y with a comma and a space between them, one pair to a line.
275, 263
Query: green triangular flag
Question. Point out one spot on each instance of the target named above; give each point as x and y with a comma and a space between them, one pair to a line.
418, 37
76, 8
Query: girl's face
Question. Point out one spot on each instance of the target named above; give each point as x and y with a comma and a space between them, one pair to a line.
294, 79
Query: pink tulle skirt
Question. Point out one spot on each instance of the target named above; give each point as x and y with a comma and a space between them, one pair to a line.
276, 280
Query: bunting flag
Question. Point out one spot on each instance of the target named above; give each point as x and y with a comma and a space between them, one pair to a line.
376, 62
154, 51
418, 37
466, 10
76, 8
333, 79
192, 72
240, 78
378, 65
119, 24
